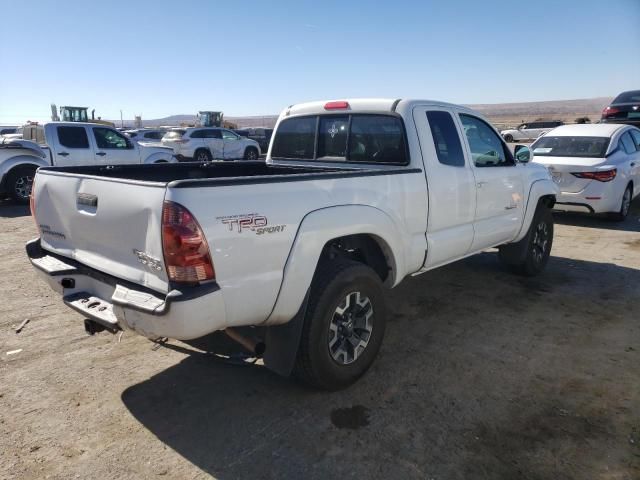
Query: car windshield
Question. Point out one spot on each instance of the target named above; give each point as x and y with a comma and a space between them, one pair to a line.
628, 97
173, 134
550, 146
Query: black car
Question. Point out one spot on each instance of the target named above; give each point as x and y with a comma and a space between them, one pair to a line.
625, 108
259, 134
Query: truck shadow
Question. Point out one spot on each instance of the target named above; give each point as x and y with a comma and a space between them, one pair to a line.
10, 209
414, 414
631, 224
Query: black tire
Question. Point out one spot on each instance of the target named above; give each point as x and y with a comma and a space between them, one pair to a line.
530, 255
327, 334
508, 138
251, 153
202, 155
19, 183
625, 205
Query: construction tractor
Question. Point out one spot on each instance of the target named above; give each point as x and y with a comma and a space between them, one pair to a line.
76, 114
208, 118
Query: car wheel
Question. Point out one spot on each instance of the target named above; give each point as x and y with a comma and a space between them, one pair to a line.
202, 155
20, 182
343, 326
508, 138
251, 154
625, 205
530, 255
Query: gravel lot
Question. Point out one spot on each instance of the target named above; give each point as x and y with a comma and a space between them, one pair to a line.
482, 375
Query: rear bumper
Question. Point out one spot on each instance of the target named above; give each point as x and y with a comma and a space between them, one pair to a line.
183, 314
597, 197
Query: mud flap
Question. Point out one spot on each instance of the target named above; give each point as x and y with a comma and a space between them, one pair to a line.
282, 343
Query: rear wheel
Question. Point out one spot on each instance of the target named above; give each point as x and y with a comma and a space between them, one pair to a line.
251, 153
202, 155
625, 205
20, 181
508, 138
530, 255
343, 327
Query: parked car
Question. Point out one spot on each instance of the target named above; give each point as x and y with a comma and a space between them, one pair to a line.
625, 108
66, 144
259, 134
305, 244
529, 131
7, 129
597, 167
204, 144
146, 134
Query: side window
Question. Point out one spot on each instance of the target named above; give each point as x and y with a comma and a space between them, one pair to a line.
377, 139
211, 134
487, 150
73, 137
199, 134
445, 138
227, 135
627, 143
296, 138
635, 134
110, 139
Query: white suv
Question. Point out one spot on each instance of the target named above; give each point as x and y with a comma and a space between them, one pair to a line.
206, 144
529, 131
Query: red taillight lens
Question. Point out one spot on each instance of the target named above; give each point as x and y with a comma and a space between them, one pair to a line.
336, 105
610, 111
186, 253
601, 176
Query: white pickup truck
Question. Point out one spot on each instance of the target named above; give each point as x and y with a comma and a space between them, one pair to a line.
355, 196
65, 144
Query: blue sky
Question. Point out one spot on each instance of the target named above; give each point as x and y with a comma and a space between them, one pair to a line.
160, 58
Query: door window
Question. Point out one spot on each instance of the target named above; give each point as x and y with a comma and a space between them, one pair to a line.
110, 139
200, 133
445, 138
487, 149
627, 143
636, 138
227, 135
73, 137
211, 134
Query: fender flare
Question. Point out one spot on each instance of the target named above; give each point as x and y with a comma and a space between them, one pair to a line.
157, 156
539, 189
321, 226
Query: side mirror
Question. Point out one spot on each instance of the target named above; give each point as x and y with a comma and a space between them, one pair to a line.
522, 153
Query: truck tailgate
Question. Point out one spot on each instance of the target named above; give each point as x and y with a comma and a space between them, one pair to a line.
108, 224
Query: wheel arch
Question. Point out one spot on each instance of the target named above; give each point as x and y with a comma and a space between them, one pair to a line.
10, 165
542, 191
373, 239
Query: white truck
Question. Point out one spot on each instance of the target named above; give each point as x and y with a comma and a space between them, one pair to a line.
66, 144
355, 196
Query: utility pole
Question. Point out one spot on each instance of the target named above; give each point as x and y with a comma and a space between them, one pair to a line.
121, 121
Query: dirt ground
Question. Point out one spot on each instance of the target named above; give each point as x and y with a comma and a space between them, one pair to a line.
482, 375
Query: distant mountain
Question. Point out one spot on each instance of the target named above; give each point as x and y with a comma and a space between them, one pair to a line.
499, 113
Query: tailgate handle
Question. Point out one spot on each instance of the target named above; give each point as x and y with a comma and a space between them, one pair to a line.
101, 154
87, 199
63, 154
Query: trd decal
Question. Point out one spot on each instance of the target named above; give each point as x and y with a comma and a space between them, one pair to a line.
250, 223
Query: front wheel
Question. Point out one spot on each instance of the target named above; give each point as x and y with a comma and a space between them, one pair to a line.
251, 154
20, 182
343, 326
530, 255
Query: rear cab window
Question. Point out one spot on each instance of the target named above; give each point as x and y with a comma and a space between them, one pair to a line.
354, 138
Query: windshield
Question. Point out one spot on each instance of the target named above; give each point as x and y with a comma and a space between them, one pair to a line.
591, 147
628, 97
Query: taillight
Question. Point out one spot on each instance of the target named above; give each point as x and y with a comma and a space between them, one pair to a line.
186, 253
336, 105
601, 176
610, 112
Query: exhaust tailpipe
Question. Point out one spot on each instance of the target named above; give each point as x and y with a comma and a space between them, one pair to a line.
257, 348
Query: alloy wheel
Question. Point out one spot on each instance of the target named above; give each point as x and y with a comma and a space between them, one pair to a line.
350, 328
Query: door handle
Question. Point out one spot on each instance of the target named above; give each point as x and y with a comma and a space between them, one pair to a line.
63, 154
510, 207
481, 184
633, 164
101, 154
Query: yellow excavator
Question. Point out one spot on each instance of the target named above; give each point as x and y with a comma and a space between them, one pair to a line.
209, 118
76, 114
